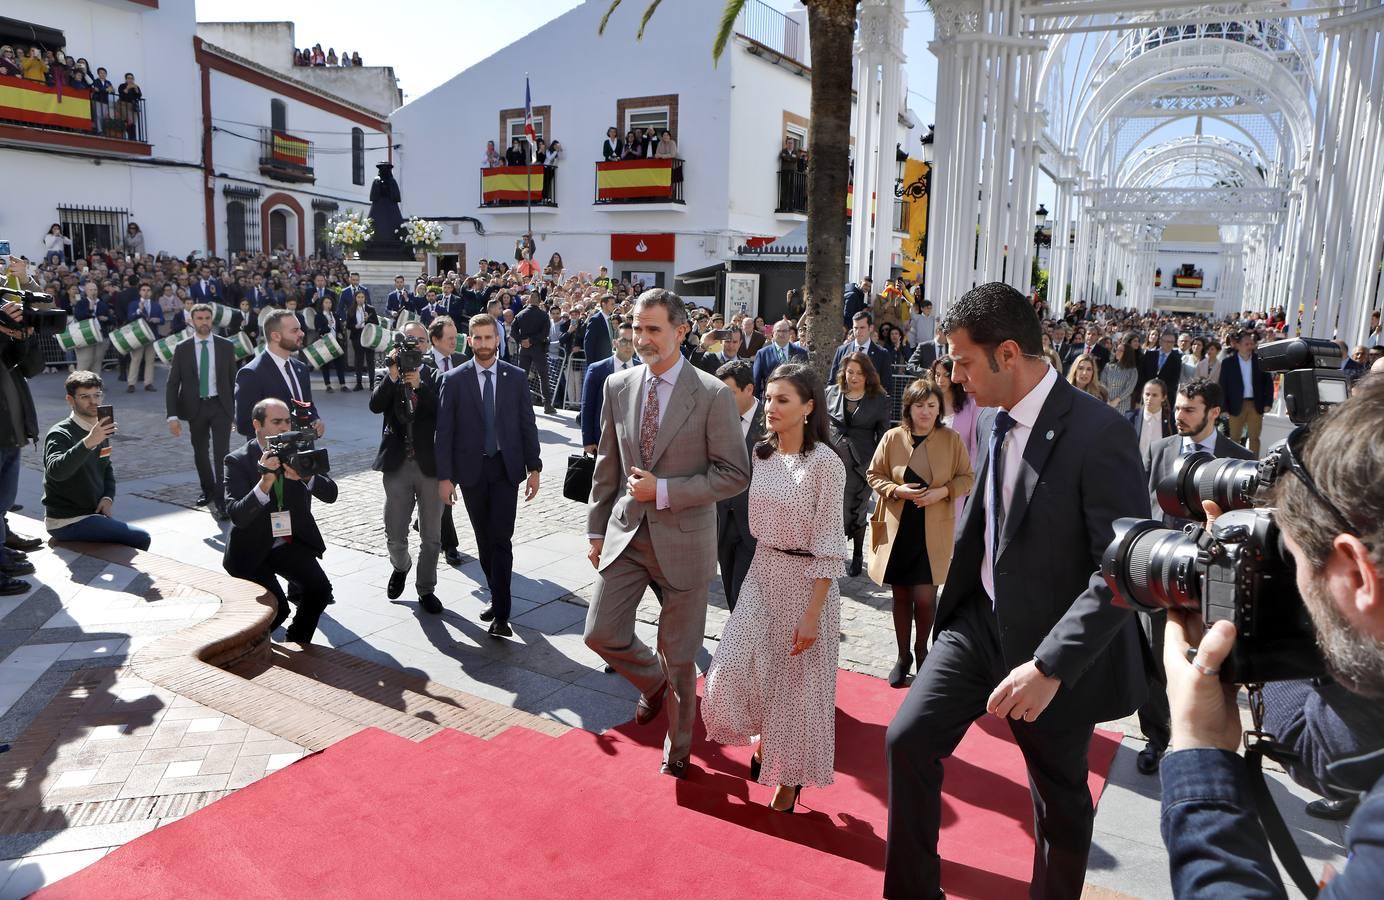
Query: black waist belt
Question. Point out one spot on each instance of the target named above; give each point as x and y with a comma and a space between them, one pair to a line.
802, 553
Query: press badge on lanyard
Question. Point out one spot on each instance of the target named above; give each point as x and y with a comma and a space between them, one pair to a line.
281, 522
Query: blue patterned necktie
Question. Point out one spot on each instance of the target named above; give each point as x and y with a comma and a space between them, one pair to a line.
994, 486
488, 405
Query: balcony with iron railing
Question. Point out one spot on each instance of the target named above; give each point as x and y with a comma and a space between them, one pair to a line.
639, 182
284, 157
35, 112
792, 189
518, 186
765, 25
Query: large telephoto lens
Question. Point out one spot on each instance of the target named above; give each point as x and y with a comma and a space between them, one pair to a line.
1229, 483
1152, 567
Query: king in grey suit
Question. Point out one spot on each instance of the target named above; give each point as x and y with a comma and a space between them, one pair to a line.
209, 418
1025, 627
670, 449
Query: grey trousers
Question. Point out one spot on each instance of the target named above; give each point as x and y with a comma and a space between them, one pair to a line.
402, 488
681, 625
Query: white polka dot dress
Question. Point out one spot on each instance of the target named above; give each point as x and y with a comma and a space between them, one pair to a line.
753, 686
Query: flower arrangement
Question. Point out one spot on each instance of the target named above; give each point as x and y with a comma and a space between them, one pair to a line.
423, 234
350, 230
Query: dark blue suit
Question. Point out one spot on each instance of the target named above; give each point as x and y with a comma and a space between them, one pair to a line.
489, 484
592, 393
880, 358
259, 379
767, 359
595, 343
1233, 385
396, 301
212, 294
155, 316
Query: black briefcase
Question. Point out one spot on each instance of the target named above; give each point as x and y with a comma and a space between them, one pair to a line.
576, 485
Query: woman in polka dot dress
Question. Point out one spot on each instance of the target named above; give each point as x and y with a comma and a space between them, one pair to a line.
774, 673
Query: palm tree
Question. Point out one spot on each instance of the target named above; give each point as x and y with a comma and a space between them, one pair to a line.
831, 29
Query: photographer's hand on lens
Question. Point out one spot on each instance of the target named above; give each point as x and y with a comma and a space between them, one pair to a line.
1204, 711
291, 475
270, 462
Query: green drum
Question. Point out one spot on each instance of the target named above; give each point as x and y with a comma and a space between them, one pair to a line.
244, 347
131, 337
404, 316
83, 333
164, 347
322, 351
222, 315
376, 337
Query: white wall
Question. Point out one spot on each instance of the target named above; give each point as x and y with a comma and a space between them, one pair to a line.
443, 133
760, 94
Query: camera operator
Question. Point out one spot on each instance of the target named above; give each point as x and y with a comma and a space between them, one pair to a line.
1330, 508
21, 358
273, 532
408, 401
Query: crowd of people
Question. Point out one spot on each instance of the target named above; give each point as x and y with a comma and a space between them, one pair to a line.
313, 56
1018, 439
114, 107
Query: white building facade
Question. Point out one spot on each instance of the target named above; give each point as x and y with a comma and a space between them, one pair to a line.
730, 121
196, 164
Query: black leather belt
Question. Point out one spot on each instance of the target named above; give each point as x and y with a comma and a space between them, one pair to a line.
802, 553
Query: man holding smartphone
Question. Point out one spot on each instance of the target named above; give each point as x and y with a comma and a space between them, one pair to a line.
78, 480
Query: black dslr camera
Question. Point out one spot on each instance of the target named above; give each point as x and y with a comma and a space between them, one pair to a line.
43, 321
407, 353
298, 448
1239, 570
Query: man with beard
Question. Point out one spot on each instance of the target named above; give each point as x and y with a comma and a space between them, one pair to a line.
487, 440
1198, 407
200, 390
275, 373
1330, 507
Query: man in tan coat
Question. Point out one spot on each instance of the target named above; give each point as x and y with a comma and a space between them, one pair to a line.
670, 448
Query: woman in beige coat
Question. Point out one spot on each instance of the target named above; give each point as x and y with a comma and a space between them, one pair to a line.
918, 470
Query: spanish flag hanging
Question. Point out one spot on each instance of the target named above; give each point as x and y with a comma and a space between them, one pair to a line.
34, 103
290, 149
512, 183
634, 178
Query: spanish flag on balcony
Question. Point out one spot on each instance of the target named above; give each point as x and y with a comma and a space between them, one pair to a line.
290, 149
34, 103
511, 183
634, 178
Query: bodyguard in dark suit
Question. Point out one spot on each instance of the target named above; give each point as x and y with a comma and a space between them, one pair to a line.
259, 491
881, 358
201, 390
1198, 408
486, 441
774, 354
734, 544
441, 359
593, 386
274, 373
407, 401
856, 299
1163, 362
531, 329
597, 341
924, 355
1025, 629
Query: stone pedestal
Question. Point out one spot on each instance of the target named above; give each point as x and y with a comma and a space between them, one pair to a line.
378, 275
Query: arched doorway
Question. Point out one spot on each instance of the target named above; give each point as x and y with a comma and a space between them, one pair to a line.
283, 230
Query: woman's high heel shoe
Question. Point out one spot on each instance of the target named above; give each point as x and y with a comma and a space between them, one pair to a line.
755, 763
797, 792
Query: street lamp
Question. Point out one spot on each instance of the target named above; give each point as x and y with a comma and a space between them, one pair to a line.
1041, 236
926, 141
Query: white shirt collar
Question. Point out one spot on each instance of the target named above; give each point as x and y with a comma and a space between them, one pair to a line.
749, 415
1208, 445
1026, 411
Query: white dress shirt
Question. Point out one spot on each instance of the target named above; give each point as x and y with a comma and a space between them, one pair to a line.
1246, 375
1150, 430
1024, 413
748, 419
444, 362
295, 388
211, 361
494, 376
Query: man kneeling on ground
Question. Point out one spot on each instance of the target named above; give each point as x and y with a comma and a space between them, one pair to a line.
78, 480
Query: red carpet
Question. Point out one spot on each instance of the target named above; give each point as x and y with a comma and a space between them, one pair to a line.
584, 815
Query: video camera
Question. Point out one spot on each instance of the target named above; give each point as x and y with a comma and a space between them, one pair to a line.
44, 322
407, 353
297, 448
1239, 570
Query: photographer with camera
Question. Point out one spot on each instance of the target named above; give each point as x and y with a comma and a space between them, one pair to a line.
407, 399
1330, 506
21, 358
273, 532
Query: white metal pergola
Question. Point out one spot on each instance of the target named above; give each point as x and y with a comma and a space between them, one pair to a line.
1263, 119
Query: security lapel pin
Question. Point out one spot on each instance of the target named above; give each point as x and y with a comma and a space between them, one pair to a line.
1050, 435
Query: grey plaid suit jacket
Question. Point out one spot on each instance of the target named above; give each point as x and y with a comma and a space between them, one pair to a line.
699, 451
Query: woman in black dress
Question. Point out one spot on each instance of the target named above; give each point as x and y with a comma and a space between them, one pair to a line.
918, 469
858, 411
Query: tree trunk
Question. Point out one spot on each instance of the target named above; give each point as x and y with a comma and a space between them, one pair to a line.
831, 28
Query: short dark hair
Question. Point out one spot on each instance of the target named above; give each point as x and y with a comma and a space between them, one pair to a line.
81, 379
738, 370
993, 313
671, 303
438, 325
204, 307
916, 392
863, 316
482, 319
1209, 391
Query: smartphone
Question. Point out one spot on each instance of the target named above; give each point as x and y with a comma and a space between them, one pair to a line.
105, 412
4, 254
720, 334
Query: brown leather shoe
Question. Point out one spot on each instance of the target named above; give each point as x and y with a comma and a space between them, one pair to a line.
647, 707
